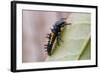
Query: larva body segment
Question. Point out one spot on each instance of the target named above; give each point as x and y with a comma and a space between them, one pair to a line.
55, 34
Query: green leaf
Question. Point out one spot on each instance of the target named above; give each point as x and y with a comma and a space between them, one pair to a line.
76, 43
86, 53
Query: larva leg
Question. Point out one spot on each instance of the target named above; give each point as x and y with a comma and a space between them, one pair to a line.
59, 38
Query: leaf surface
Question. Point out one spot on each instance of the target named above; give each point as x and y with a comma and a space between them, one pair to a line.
76, 39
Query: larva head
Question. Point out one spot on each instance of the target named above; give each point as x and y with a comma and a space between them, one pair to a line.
61, 22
